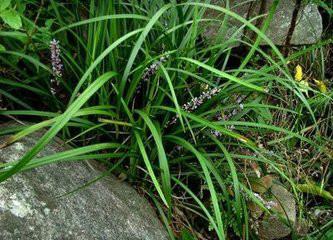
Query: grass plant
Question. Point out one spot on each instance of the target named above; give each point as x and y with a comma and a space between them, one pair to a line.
195, 166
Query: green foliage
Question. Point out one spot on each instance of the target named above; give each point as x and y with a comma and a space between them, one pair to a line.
9, 15
4, 4
316, 190
129, 70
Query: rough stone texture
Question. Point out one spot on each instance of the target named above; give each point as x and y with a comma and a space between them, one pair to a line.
308, 28
109, 209
271, 226
234, 29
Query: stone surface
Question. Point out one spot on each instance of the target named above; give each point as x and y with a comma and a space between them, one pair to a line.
308, 28
272, 226
31, 209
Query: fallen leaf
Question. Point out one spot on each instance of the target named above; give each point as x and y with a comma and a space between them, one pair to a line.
261, 185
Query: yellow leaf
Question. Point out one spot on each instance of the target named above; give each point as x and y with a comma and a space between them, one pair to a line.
298, 73
321, 86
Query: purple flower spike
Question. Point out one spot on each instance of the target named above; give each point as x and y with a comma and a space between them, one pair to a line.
57, 67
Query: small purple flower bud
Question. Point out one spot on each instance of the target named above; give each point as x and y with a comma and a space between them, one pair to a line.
152, 69
196, 102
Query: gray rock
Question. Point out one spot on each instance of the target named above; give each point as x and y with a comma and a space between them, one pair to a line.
279, 225
31, 209
308, 28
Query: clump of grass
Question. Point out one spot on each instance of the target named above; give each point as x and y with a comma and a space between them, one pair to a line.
197, 169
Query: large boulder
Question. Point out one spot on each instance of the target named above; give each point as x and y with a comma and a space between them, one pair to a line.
280, 224
30, 206
308, 29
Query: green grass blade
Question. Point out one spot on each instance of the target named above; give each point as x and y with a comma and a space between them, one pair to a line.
202, 160
149, 167
163, 161
59, 124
